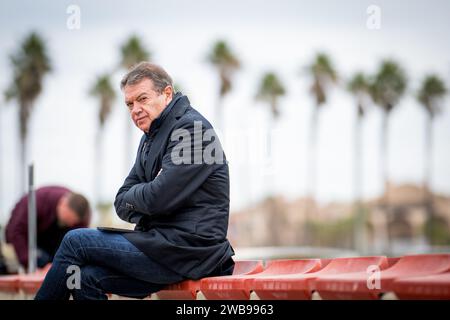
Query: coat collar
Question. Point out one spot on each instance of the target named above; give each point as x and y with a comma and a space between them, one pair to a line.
161, 132
156, 124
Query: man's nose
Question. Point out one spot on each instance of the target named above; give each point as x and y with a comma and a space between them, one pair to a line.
136, 109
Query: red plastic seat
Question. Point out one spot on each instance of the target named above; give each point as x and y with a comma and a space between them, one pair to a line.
301, 286
362, 285
30, 283
188, 289
9, 283
392, 261
238, 287
436, 287
325, 262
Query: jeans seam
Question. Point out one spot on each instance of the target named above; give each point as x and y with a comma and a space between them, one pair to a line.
105, 248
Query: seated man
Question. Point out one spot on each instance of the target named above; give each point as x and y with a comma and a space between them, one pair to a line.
177, 194
58, 210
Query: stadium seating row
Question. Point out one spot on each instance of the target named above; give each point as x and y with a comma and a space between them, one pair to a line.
425, 276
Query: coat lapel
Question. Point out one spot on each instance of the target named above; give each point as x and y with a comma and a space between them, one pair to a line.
156, 151
138, 165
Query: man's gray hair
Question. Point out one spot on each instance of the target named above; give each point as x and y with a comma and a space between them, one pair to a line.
147, 70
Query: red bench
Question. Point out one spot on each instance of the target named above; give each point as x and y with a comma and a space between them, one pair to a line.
301, 286
357, 286
436, 287
425, 276
188, 289
238, 287
9, 284
392, 261
30, 283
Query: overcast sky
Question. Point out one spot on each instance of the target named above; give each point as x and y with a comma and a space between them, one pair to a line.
266, 35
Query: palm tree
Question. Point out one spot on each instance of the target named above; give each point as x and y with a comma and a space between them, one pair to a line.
429, 96
104, 92
269, 91
359, 87
226, 64
132, 52
323, 75
30, 64
387, 88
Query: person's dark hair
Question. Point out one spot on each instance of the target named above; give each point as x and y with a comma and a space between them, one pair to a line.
147, 70
78, 203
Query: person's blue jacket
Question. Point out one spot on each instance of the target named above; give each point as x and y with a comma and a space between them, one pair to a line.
181, 209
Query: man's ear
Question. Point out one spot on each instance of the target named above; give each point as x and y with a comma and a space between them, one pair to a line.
168, 92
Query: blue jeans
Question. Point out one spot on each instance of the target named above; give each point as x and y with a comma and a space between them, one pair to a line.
108, 263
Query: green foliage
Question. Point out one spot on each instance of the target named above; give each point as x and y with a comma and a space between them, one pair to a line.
388, 85
431, 91
133, 52
30, 64
323, 74
359, 86
270, 89
226, 63
334, 233
103, 90
437, 231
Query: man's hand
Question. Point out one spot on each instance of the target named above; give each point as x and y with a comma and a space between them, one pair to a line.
143, 224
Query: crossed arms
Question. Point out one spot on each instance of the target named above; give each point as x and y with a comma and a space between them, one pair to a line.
175, 182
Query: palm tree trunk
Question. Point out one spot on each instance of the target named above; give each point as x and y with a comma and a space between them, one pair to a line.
384, 156
360, 223
23, 164
274, 218
311, 178
97, 167
275, 223
270, 165
219, 116
427, 167
23, 123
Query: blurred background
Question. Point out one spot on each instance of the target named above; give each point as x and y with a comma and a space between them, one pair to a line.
334, 116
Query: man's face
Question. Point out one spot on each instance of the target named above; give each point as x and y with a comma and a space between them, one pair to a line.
66, 216
144, 103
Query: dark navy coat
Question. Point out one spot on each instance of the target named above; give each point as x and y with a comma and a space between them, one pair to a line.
181, 210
